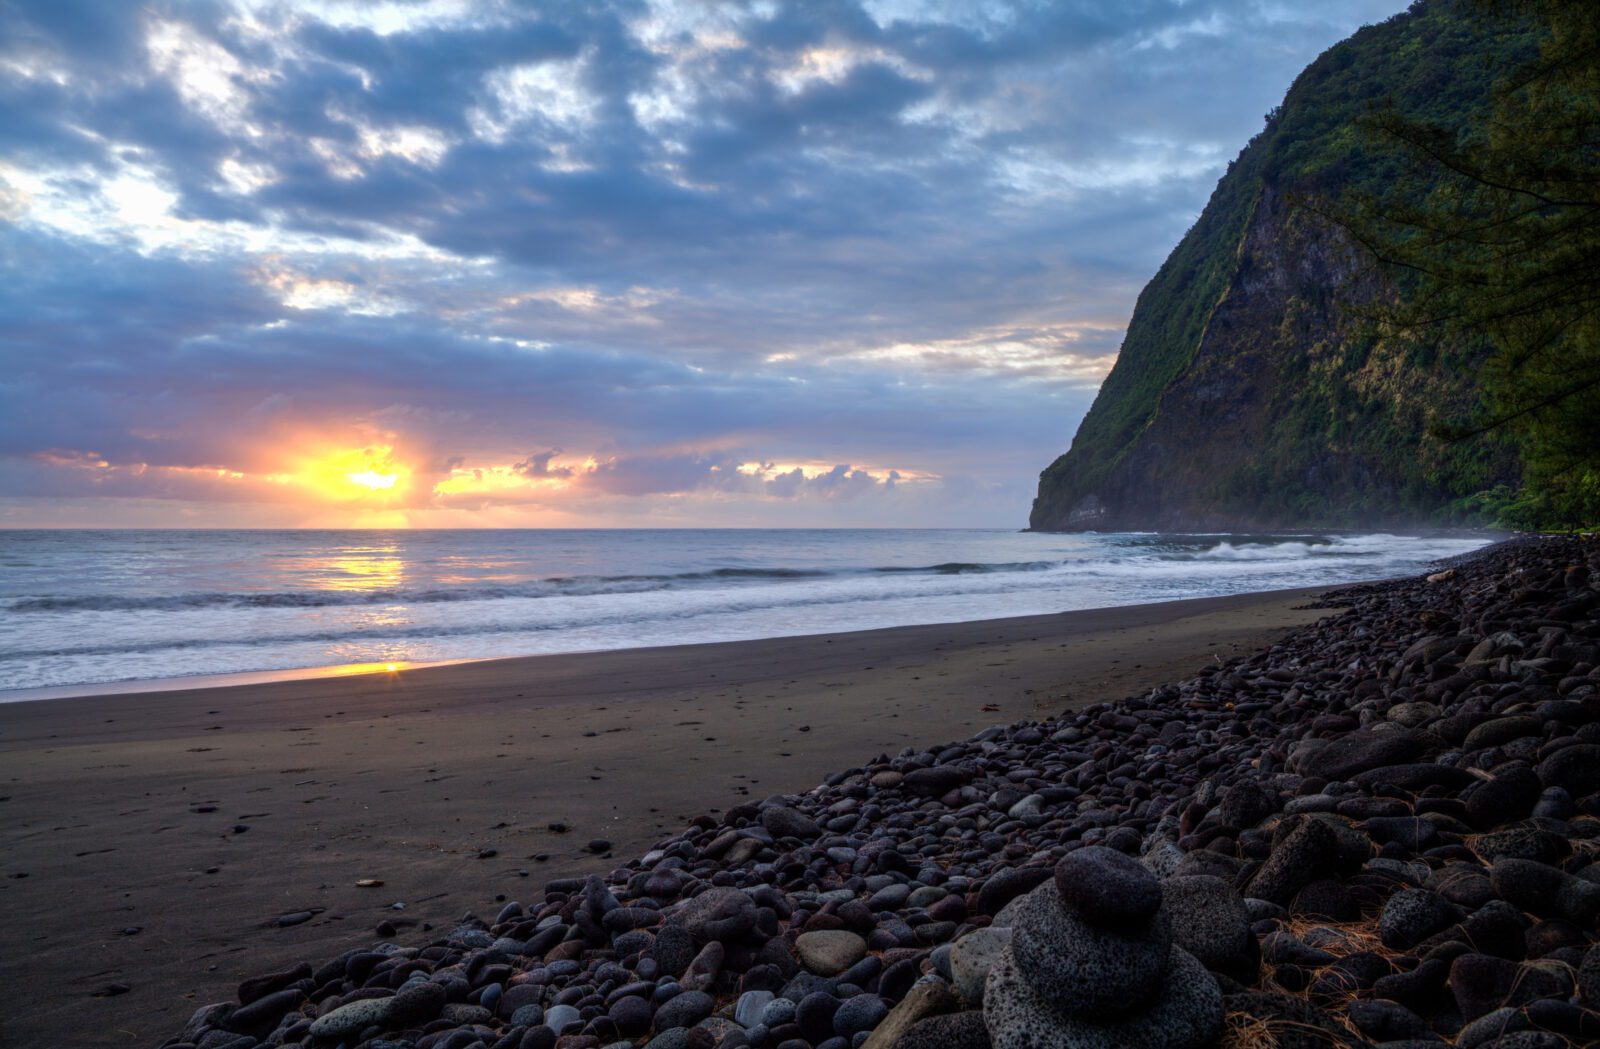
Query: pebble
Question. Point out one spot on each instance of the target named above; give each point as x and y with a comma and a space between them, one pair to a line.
348, 1019
830, 952
971, 958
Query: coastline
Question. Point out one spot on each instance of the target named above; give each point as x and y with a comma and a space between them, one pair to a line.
123, 810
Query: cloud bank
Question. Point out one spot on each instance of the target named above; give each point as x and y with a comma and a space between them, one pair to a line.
854, 262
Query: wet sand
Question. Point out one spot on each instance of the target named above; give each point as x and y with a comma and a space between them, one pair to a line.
151, 842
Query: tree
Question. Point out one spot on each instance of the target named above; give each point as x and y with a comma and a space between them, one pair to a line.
1504, 245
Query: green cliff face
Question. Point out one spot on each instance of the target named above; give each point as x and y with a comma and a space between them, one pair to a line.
1250, 392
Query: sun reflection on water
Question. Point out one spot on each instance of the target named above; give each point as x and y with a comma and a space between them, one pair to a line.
363, 570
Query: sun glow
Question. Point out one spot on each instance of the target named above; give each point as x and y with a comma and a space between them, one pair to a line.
355, 475
372, 479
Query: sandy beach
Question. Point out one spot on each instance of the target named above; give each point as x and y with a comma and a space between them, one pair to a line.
154, 842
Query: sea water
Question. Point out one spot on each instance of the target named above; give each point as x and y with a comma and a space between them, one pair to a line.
87, 607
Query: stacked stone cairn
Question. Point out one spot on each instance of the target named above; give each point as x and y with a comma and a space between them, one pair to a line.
1093, 963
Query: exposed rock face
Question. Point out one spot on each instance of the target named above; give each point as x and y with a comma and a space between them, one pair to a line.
1248, 392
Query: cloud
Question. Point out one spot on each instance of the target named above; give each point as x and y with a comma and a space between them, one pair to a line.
538, 465
674, 239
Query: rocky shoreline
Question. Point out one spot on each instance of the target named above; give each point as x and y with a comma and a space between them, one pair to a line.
1382, 830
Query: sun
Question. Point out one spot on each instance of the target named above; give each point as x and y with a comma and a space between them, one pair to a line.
372, 479
354, 475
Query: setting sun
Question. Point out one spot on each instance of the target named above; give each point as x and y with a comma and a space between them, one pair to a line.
354, 474
372, 479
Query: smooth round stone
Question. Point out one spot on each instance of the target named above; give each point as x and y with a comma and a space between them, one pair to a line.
1107, 888
348, 1019
416, 1003
777, 1013
1088, 971
527, 1016
557, 1017
950, 1031
748, 1010
631, 1014
890, 897
1411, 916
684, 1010
830, 952
1208, 917
971, 958
859, 1015
1187, 1014
814, 1014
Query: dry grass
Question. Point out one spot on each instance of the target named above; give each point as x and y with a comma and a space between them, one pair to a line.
1242, 1030
1359, 935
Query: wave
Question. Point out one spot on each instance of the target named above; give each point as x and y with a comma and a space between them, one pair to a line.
560, 586
1134, 554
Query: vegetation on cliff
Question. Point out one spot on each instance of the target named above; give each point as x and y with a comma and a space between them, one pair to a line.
1271, 375
1506, 248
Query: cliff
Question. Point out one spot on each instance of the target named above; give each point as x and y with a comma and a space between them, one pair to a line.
1250, 391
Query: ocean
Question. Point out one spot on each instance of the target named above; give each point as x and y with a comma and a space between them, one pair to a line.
83, 608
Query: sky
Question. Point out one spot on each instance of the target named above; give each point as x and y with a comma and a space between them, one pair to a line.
643, 263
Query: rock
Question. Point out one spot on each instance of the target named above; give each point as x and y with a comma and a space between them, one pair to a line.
674, 949
721, 914
1480, 983
1388, 1021
1411, 916
1106, 888
1285, 1022
349, 1019
973, 956
814, 1016
1589, 978
1523, 842
777, 1012
936, 782
1546, 891
559, 1017
1575, 769
1360, 751
1327, 899
685, 1010
830, 952
1208, 918
859, 1014
703, 971
1415, 777
1306, 854
261, 986
417, 1003
263, 1013
927, 997
955, 1031
1246, 804
1008, 884
677, 1038
1186, 1013
1086, 970
631, 1014
787, 823
1500, 731
748, 1011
